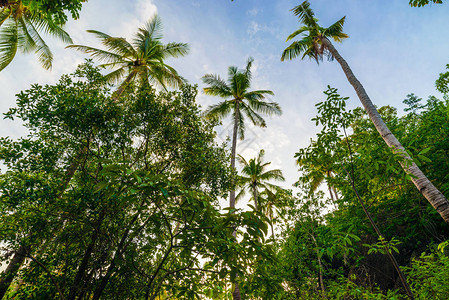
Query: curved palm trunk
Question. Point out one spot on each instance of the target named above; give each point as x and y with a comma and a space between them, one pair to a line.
422, 183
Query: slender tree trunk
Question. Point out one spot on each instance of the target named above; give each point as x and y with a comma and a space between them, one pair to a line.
422, 183
122, 87
233, 151
236, 292
11, 271
323, 290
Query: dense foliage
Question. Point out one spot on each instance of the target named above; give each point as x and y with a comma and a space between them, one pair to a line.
116, 192
139, 214
338, 254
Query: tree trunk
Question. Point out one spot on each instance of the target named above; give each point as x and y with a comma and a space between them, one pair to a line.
122, 87
233, 151
11, 271
236, 292
323, 289
422, 183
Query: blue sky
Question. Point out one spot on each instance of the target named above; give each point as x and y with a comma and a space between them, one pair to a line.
393, 49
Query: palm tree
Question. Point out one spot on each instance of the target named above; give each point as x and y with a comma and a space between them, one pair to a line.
240, 101
20, 31
316, 165
143, 59
271, 200
315, 43
255, 176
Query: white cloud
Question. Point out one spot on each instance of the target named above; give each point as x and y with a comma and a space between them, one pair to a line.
253, 12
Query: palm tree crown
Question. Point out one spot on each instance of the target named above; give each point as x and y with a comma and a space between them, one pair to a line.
142, 59
19, 31
311, 45
238, 98
255, 176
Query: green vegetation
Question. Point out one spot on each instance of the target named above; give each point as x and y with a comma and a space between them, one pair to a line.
117, 190
20, 24
142, 60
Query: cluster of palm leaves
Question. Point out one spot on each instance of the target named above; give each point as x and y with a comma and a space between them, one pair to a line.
143, 59
21, 29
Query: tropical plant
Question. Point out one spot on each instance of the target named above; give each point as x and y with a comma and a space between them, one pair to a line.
315, 44
271, 202
20, 29
240, 101
442, 83
55, 10
141, 212
255, 176
143, 59
419, 3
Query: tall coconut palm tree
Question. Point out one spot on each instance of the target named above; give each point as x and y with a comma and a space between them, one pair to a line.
255, 176
20, 30
315, 43
240, 102
143, 59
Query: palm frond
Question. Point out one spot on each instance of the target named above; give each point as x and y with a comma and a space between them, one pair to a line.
100, 35
26, 42
241, 160
258, 95
275, 174
115, 76
240, 195
174, 50
217, 86
152, 29
120, 46
49, 27
41, 49
248, 74
305, 14
8, 43
219, 111
5, 13
295, 49
335, 31
297, 32
268, 108
255, 118
99, 54
164, 75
